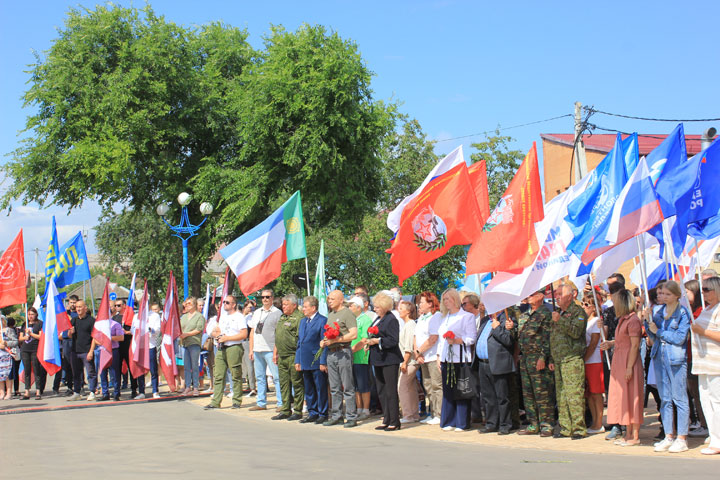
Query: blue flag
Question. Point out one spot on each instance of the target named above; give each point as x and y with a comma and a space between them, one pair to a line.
705, 229
72, 264
588, 212
51, 260
665, 162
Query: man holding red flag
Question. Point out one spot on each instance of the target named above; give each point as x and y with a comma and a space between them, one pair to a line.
444, 214
140, 345
107, 333
508, 240
170, 332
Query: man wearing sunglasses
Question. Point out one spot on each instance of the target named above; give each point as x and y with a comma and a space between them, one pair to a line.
262, 344
228, 333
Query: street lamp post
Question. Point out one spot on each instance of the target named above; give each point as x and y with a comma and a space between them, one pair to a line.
185, 230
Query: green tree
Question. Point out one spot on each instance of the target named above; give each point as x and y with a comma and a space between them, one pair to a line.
131, 109
501, 162
136, 241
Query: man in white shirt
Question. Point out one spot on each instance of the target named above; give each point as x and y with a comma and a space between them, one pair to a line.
228, 333
154, 327
262, 344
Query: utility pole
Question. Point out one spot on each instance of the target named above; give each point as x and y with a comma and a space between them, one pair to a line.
580, 163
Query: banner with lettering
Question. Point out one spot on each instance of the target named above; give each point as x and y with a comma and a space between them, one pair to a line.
72, 263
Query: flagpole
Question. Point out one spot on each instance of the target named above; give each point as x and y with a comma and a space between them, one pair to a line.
307, 276
643, 269
698, 272
597, 312
92, 298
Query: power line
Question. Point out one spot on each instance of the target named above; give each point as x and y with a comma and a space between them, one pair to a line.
612, 130
592, 110
504, 128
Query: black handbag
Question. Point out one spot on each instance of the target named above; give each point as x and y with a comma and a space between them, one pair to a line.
465, 386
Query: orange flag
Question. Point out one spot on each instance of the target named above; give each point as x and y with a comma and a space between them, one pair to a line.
444, 214
478, 179
508, 241
12, 273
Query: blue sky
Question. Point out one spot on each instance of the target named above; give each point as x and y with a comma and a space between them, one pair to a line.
459, 67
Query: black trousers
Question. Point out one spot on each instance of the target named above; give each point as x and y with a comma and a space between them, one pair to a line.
66, 372
495, 395
31, 364
386, 379
125, 355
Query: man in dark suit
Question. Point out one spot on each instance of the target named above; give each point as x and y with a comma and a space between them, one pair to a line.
314, 372
494, 350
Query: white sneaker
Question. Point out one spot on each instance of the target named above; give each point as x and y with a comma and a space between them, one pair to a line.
426, 419
448, 429
679, 445
407, 420
699, 432
434, 421
139, 397
664, 445
209, 390
593, 431
91, 397
156, 395
458, 429
74, 397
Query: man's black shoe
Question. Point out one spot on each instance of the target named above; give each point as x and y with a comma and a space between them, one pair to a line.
235, 406
503, 431
280, 416
309, 419
320, 420
105, 398
210, 406
294, 416
350, 424
558, 435
487, 430
69, 393
577, 436
116, 398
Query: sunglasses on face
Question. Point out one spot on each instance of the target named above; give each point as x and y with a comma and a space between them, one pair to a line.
266, 296
227, 302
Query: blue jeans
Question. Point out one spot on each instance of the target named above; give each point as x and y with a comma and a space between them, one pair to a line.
114, 369
672, 386
81, 362
154, 369
191, 362
262, 361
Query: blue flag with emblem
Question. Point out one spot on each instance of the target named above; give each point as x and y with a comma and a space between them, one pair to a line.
588, 212
51, 259
72, 263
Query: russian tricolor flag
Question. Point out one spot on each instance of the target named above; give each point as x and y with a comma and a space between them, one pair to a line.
257, 256
49, 345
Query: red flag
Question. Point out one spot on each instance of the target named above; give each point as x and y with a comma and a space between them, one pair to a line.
101, 330
170, 331
508, 241
478, 179
12, 273
140, 346
444, 214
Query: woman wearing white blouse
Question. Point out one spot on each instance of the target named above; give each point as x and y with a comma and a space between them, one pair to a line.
706, 361
455, 413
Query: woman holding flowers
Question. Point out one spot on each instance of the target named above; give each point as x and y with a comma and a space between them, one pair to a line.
457, 334
385, 357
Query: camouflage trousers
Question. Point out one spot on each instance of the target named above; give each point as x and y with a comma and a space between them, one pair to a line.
570, 388
538, 392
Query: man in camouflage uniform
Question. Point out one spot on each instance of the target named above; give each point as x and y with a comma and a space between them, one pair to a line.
567, 347
534, 327
286, 341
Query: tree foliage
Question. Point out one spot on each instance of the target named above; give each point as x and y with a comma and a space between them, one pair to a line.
501, 163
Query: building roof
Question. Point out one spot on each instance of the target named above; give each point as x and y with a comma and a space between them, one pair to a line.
604, 142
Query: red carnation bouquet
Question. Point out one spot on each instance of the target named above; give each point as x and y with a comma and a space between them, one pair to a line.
373, 330
451, 379
331, 333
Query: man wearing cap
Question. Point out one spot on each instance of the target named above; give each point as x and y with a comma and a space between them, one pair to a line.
286, 340
339, 362
567, 347
538, 387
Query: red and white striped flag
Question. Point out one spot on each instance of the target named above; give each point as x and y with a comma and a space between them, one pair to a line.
140, 346
170, 331
101, 330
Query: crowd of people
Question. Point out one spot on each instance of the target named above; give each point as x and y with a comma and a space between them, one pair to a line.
545, 367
